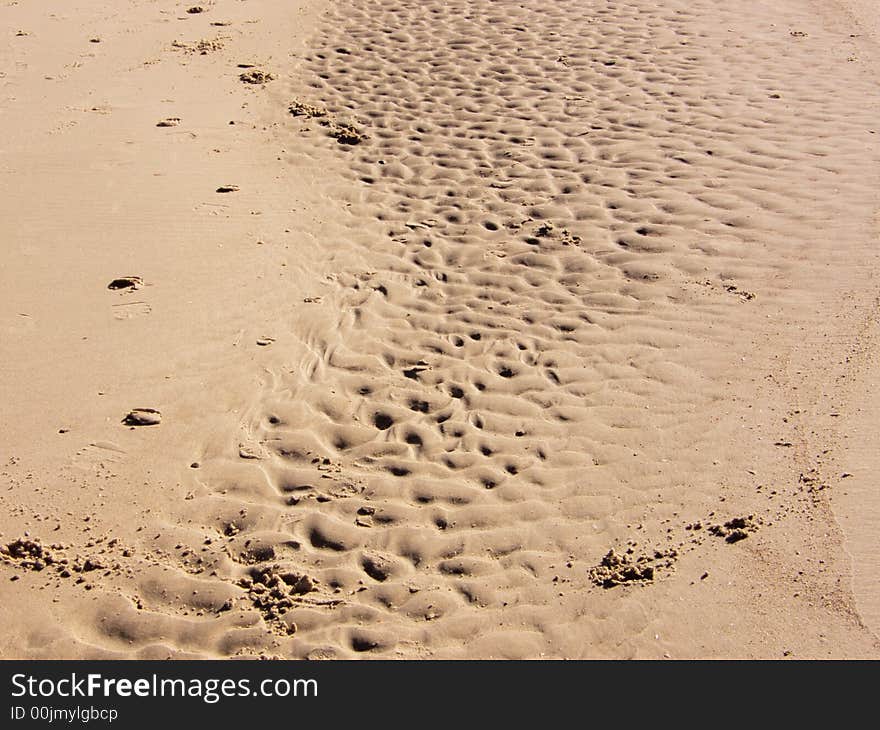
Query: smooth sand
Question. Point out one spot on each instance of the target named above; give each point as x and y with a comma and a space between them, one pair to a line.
494, 289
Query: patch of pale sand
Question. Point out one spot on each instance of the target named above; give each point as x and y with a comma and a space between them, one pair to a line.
93, 190
559, 283
866, 14
857, 501
852, 427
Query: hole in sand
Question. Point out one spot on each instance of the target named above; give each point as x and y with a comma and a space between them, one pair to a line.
362, 643
383, 421
319, 540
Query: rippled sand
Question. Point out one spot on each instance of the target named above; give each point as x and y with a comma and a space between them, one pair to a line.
465, 329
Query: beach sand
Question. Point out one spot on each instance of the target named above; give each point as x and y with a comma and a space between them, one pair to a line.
421, 329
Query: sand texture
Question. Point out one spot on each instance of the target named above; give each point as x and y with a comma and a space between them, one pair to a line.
422, 329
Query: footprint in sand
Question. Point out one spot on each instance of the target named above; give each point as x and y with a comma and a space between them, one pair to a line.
143, 417
129, 283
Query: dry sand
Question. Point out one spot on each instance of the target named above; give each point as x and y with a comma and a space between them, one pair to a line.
457, 329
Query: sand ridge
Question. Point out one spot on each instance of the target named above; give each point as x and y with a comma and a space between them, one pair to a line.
512, 400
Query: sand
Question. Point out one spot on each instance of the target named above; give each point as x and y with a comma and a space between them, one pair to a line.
439, 329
